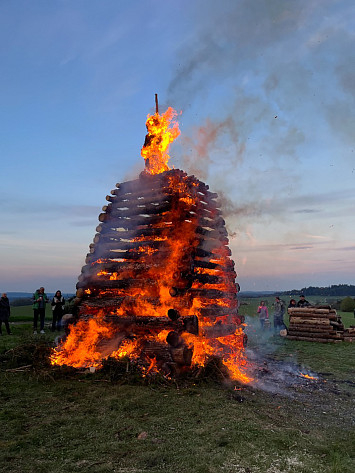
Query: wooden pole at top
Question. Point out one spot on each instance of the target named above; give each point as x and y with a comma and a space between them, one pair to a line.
156, 104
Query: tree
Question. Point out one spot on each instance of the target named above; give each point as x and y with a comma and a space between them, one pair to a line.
347, 304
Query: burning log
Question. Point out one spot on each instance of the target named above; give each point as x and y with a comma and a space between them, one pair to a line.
182, 355
158, 351
134, 323
219, 330
174, 339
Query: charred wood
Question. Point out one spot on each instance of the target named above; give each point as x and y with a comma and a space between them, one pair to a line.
101, 283
227, 266
216, 223
146, 209
218, 311
183, 324
153, 232
213, 234
219, 330
182, 355
112, 245
158, 351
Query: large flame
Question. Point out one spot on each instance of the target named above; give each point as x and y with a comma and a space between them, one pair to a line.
162, 130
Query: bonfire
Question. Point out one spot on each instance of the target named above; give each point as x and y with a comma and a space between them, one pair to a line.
159, 285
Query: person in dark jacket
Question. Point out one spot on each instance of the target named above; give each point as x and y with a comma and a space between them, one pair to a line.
5, 313
39, 308
57, 310
302, 302
292, 304
279, 310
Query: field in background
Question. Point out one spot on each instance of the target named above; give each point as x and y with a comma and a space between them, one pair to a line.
62, 420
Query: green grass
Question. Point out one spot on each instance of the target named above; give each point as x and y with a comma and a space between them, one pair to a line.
57, 420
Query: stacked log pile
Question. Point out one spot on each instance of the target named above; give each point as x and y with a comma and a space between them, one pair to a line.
316, 324
160, 259
349, 334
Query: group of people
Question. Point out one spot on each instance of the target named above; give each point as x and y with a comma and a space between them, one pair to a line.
279, 311
40, 300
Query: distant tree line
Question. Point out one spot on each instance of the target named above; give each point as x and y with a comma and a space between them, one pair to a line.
19, 301
333, 290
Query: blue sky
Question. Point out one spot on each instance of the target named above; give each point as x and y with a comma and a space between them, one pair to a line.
266, 94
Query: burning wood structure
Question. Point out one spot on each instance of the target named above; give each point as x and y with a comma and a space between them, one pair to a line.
159, 283
317, 324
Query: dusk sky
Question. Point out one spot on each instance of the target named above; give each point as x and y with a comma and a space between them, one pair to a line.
265, 95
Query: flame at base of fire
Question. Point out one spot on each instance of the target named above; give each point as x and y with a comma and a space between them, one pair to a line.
92, 341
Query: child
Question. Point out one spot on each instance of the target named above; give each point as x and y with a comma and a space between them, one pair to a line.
263, 314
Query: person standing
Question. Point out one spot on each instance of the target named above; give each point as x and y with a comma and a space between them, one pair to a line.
263, 314
39, 309
5, 313
279, 310
292, 304
57, 310
303, 302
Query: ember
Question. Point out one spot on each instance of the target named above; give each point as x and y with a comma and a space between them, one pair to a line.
307, 376
159, 284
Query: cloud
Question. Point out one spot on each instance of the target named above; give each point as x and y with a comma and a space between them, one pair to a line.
301, 247
306, 211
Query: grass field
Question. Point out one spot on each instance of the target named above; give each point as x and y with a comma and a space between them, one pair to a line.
56, 419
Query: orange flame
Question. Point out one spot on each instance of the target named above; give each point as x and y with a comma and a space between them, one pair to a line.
162, 131
307, 376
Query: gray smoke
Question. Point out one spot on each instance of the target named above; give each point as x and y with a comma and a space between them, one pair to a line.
283, 76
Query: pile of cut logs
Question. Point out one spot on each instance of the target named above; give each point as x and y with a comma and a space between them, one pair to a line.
349, 334
317, 324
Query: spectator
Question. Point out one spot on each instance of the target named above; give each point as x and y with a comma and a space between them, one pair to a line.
57, 310
39, 308
5, 313
302, 302
292, 304
279, 310
263, 314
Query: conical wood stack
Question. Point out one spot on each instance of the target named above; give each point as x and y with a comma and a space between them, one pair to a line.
160, 258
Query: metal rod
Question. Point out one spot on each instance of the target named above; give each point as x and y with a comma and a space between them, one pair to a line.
156, 104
